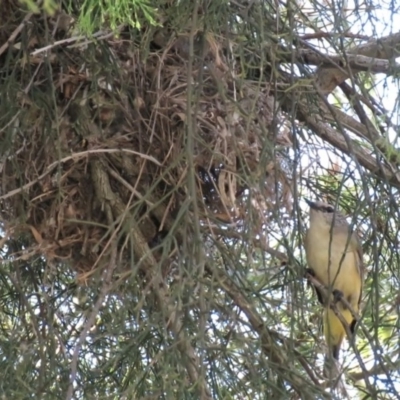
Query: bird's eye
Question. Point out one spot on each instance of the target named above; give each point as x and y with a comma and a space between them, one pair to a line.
329, 209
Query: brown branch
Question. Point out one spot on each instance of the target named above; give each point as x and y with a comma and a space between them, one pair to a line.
258, 243
354, 99
74, 157
322, 34
375, 370
356, 62
174, 324
147, 264
16, 32
347, 122
90, 321
370, 56
366, 98
270, 346
387, 47
324, 131
97, 35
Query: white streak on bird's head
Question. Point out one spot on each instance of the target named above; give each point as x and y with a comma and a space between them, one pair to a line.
322, 214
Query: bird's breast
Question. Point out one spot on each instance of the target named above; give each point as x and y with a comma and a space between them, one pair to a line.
334, 262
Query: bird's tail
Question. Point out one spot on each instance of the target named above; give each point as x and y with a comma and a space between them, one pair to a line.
334, 333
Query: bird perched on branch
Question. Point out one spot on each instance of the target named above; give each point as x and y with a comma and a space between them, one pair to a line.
334, 257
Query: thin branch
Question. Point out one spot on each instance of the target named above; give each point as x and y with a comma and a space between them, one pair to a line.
100, 35
107, 284
322, 34
369, 56
317, 124
147, 263
356, 62
375, 370
75, 156
16, 32
270, 347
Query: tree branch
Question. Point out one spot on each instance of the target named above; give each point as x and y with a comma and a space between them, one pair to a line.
270, 346
369, 56
318, 126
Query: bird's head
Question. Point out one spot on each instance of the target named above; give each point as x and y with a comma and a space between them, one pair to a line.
324, 213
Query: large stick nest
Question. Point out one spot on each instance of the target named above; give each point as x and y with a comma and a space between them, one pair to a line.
103, 142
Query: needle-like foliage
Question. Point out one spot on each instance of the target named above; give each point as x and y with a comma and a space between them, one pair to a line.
153, 159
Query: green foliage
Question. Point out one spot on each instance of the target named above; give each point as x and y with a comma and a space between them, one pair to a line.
48, 6
96, 14
206, 297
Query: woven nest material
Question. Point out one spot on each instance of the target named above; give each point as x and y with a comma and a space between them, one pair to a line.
107, 143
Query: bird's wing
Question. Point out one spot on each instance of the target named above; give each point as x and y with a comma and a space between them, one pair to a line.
356, 244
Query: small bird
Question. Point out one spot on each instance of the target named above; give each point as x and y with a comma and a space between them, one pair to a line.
334, 256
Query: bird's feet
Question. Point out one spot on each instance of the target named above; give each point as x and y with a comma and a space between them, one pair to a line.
353, 326
309, 271
337, 295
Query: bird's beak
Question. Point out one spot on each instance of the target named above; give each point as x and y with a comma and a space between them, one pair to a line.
311, 204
